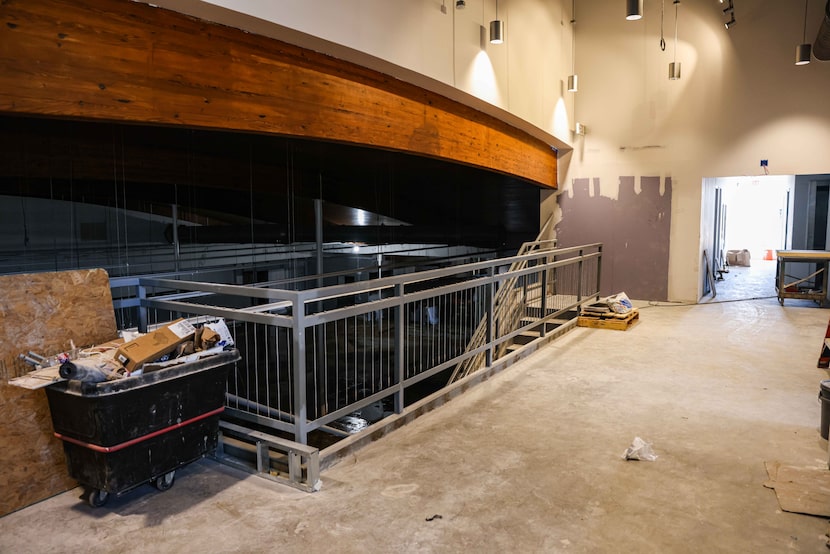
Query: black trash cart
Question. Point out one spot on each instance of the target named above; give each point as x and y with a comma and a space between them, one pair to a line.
121, 434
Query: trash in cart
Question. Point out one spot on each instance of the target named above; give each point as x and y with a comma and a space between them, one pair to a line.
174, 343
125, 424
118, 435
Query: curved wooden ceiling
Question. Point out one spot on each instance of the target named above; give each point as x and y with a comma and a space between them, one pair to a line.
124, 61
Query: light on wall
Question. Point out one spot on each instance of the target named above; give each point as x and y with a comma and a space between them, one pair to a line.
573, 80
497, 28
804, 50
460, 4
573, 83
633, 9
674, 66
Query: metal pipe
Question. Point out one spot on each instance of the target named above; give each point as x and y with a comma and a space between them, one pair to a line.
274, 413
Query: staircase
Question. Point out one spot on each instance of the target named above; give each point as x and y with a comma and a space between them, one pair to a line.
512, 310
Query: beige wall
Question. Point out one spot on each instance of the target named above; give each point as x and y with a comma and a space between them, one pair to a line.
740, 98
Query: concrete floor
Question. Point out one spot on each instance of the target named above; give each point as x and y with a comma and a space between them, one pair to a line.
529, 461
754, 281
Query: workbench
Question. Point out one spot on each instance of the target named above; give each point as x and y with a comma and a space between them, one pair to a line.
794, 288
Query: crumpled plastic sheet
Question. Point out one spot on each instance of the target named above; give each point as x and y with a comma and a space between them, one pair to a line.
640, 450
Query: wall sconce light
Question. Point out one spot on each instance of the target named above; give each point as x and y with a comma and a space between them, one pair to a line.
633, 9
730, 23
573, 83
804, 50
497, 28
580, 129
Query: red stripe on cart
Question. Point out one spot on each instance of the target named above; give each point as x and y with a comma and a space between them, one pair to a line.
137, 440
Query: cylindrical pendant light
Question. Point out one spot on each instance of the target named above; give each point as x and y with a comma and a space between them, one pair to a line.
804, 50
674, 66
633, 9
496, 28
496, 32
573, 80
674, 71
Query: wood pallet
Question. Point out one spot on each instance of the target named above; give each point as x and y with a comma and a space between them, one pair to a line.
618, 322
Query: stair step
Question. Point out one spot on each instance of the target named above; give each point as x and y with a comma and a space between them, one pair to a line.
526, 337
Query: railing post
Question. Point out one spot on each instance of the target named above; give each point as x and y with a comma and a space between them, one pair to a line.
490, 301
599, 269
544, 304
300, 393
579, 285
400, 331
142, 309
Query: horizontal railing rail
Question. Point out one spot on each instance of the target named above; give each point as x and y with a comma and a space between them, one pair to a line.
333, 358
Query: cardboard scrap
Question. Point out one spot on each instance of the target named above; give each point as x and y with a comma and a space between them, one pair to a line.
801, 490
154, 344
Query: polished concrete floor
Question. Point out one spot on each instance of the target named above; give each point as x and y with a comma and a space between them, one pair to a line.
530, 460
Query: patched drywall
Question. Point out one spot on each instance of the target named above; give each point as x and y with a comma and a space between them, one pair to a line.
634, 230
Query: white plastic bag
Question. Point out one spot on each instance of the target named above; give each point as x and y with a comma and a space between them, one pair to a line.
640, 450
619, 303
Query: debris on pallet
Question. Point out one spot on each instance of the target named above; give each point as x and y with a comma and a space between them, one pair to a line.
619, 322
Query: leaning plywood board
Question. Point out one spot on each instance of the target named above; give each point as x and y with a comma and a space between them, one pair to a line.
42, 312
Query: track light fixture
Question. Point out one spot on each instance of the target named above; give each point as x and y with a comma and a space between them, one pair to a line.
496, 28
804, 50
460, 4
730, 9
633, 9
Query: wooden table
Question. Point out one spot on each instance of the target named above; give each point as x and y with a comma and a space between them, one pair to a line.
791, 290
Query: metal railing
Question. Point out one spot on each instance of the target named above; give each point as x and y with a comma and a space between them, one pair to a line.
313, 358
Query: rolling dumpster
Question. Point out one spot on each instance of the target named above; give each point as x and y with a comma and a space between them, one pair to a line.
118, 435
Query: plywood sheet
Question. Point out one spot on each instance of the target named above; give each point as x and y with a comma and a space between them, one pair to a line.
42, 312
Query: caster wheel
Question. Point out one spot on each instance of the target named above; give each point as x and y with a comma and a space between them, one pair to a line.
165, 481
97, 498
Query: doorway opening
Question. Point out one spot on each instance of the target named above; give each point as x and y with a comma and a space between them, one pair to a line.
755, 216
746, 221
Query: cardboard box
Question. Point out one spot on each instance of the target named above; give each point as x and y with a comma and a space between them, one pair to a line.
154, 345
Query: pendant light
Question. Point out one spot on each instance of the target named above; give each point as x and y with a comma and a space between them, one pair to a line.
573, 82
674, 66
803, 50
496, 28
633, 9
